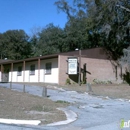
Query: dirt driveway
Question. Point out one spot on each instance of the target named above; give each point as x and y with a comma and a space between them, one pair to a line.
110, 90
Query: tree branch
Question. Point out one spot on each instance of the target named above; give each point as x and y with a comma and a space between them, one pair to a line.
128, 10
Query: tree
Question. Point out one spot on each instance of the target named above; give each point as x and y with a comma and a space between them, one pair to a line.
112, 22
125, 59
76, 34
75, 28
107, 22
51, 40
15, 44
34, 38
125, 62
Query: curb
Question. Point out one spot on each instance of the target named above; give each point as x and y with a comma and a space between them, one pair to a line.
70, 115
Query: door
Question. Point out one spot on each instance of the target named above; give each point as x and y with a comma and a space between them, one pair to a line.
5, 76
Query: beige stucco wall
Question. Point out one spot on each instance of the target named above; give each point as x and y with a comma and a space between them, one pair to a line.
47, 78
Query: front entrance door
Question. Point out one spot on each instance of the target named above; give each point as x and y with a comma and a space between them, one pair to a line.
5, 75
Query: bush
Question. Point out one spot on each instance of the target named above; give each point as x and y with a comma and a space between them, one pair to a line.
126, 77
96, 81
68, 82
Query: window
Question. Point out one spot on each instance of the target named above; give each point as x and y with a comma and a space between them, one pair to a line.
19, 73
48, 68
32, 70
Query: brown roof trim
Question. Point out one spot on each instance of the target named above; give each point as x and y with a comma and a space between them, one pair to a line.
36, 58
95, 53
70, 53
32, 59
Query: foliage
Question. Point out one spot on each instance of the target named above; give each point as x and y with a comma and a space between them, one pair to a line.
14, 44
75, 30
117, 26
125, 61
96, 81
50, 40
112, 22
68, 82
91, 23
126, 77
106, 23
60, 101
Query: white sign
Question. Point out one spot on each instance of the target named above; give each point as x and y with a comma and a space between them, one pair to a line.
72, 65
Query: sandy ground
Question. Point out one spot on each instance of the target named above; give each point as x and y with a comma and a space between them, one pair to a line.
103, 112
110, 90
18, 105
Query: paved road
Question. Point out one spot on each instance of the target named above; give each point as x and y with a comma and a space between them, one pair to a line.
94, 113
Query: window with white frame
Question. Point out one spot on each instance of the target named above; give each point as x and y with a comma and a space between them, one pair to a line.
32, 69
19, 72
48, 68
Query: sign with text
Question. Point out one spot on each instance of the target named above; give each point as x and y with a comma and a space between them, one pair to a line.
72, 65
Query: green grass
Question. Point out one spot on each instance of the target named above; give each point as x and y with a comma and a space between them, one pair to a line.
61, 101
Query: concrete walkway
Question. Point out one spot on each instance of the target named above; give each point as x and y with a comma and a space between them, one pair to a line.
94, 113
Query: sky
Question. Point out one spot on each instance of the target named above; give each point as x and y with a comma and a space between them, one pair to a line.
29, 14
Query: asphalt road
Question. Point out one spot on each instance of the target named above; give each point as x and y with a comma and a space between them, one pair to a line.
94, 113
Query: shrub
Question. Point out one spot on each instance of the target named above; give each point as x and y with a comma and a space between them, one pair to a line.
68, 81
